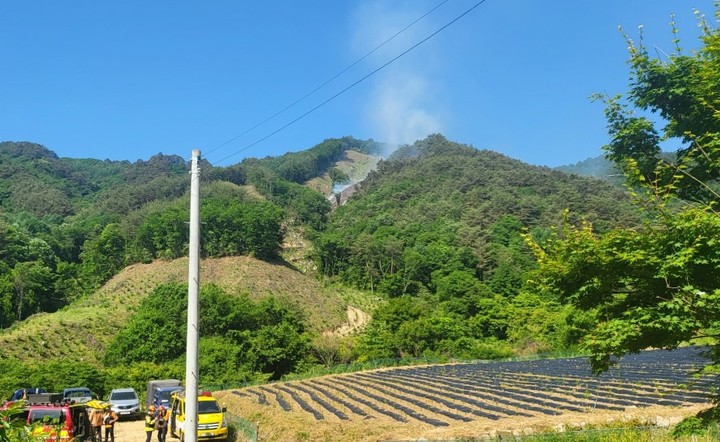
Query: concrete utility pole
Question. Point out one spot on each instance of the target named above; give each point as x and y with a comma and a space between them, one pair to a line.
191, 360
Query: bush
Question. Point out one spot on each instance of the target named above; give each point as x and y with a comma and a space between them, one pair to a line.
699, 424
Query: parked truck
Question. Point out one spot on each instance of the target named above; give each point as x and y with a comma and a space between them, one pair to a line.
159, 391
44, 398
211, 422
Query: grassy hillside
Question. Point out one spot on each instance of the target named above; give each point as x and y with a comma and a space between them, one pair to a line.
82, 329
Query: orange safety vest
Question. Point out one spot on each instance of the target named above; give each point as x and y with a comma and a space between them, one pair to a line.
109, 419
96, 419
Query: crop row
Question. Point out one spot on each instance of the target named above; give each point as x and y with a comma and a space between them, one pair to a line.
442, 394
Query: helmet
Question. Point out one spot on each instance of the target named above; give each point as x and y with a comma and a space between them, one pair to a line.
162, 407
151, 408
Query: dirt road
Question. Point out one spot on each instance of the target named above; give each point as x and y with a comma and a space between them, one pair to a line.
133, 431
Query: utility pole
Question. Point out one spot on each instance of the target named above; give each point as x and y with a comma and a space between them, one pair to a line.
193, 315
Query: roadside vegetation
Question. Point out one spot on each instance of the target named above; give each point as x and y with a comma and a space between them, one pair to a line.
14, 430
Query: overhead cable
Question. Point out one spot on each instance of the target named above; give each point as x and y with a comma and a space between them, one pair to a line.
353, 84
286, 108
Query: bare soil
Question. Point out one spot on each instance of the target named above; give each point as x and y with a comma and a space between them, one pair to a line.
275, 425
356, 320
132, 431
297, 426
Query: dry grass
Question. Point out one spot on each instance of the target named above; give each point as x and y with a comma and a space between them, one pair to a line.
274, 424
90, 323
474, 401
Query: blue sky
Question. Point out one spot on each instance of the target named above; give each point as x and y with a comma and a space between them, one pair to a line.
124, 80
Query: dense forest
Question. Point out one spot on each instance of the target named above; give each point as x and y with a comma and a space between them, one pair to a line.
438, 231
434, 236
68, 225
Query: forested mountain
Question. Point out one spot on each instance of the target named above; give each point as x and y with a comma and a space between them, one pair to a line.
597, 167
33, 179
602, 168
437, 188
438, 229
434, 236
68, 224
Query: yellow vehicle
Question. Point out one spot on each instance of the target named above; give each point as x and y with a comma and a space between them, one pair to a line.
211, 421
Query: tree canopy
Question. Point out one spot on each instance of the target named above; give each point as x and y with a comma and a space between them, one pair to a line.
682, 89
437, 230
657, 285
265, 337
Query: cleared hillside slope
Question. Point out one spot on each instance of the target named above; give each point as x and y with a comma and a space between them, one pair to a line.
356, 165
83, 329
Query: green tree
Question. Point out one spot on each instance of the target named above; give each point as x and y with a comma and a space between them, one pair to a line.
331, 253
14, 429
507, 257
491, 318
103, 256
429, 334
157, 332
380, 339
7, 313
263, 226
652, 287
682, 89
657, 285
68, 285
277, 349
164, 232
33, 284
14, 244
338, 176
230, 227
223, 361
239, 338
376, 342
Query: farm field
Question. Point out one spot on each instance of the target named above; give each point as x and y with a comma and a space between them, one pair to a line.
476, 400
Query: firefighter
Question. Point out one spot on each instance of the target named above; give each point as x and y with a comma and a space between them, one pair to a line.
109, 419
149, 424
161, 423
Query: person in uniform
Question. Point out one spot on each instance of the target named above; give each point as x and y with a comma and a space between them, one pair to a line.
109, 419
149, 425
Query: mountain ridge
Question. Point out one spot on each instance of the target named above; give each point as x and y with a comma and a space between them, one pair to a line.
430, 245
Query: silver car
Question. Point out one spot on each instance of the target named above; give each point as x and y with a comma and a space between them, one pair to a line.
125, 402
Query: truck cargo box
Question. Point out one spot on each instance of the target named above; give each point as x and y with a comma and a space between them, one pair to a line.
158, 391
44, 398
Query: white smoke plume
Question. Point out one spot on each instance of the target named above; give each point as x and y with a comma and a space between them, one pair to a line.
402, 105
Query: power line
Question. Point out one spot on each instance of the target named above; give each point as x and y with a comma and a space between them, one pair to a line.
328, 81
355, 83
